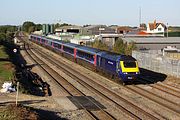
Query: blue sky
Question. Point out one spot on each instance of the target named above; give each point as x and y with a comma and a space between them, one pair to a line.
80, 12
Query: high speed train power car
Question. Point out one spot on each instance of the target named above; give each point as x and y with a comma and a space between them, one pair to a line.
123, 67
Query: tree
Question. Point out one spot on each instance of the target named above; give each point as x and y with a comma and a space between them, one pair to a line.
26, 25
38, 27
119, 46
9, 36
143, 25
7, 28
57, 25
123, 48
100, 45
7, 32
130, 47
2, 37
31, 29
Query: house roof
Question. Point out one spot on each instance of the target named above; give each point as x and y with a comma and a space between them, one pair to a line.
69, 27
94, 26
124, 28
153, 26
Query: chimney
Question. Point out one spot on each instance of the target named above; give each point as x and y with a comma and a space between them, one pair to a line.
154, 24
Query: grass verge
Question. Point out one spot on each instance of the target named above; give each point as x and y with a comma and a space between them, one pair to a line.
13, 112
6, 67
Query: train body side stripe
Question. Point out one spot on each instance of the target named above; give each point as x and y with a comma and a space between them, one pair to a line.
95, 59
75, 52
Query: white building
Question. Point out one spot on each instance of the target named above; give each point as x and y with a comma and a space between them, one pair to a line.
154, 28
82, 40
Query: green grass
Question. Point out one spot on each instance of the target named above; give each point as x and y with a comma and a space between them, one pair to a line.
6, 67
6, 71
12, 112
173, 34
3, 53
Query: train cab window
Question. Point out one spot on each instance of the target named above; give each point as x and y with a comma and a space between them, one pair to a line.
129, 64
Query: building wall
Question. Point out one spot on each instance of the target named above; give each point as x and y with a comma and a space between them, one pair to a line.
153, 60
157, 46
154, 43
156, 30
96, 30
109, 41
86, 32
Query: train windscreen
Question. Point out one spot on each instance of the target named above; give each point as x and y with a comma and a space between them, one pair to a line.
129, 64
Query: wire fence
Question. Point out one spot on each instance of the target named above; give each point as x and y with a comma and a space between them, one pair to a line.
155, 61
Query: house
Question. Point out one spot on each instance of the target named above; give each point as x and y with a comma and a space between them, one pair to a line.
124, 30
155, 28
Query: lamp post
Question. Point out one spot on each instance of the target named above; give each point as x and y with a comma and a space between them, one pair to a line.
167, 30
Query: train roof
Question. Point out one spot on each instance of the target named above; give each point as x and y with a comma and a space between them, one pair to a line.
88, 49
127, 58
59, 41
109, 55
71, 45
104, 54
115, 56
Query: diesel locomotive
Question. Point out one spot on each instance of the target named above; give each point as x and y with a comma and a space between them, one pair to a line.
122, 67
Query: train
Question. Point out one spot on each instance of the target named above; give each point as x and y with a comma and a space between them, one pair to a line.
122, 67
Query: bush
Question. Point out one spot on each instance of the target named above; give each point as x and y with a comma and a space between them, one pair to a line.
123, 48
100, 45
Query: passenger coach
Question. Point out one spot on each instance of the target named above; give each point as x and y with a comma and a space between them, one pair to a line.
119, 66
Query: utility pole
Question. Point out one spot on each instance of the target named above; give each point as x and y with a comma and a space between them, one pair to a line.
167, 31
17, 93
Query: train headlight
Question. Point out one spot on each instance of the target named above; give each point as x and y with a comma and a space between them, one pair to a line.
137, 72
125, 73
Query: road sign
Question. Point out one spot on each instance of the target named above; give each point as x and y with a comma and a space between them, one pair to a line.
14, 50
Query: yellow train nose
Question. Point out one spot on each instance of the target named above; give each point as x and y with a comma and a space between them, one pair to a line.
129, 69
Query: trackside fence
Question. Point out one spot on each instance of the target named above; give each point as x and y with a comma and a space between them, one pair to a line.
155, 61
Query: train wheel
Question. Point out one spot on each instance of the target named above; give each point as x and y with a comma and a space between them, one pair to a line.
112, 76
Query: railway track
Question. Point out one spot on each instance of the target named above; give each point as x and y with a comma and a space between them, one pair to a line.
158, 99
172, 92
162, 87
174, 86
69, 88
136, 113
168, 89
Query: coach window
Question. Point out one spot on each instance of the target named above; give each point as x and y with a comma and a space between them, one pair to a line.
59, 46
69, 50
38, 39
43, 41
86, 56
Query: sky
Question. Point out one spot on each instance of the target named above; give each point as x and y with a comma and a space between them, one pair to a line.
81, 12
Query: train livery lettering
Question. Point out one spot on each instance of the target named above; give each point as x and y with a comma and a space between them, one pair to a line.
109, 62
